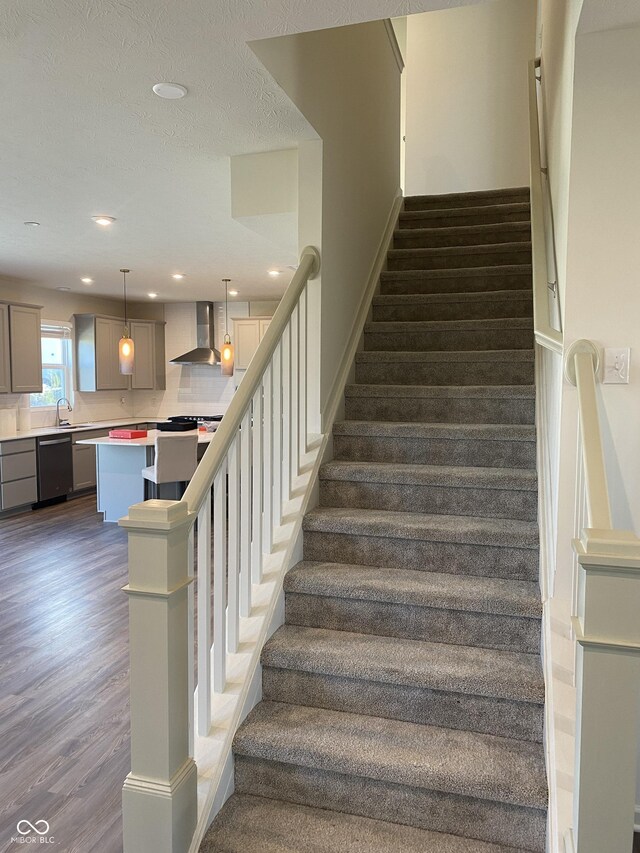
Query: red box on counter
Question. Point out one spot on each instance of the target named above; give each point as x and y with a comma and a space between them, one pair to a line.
127, 433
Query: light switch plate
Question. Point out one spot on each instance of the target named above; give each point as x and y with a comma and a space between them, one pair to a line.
616, 366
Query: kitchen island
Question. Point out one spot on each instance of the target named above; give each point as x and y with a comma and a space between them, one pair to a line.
119, 464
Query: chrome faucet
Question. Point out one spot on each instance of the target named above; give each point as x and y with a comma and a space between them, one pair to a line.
60, 422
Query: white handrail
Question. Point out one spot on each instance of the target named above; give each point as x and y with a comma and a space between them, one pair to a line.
216, 452
597, 492
544, 332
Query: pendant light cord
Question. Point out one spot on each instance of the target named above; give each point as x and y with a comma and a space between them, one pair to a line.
124, 286
226, 308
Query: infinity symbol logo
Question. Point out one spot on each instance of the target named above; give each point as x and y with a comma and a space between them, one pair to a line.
24, 827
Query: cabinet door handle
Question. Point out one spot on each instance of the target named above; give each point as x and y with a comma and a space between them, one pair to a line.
55, 441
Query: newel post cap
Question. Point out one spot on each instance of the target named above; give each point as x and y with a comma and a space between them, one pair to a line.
156, 515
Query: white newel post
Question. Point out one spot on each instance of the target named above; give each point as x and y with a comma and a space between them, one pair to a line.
608, 690
159, 796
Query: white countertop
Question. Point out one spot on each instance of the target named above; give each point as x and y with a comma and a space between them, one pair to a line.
51, 430
149, 439
86, 427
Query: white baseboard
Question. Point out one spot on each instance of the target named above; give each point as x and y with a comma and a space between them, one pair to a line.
636, 819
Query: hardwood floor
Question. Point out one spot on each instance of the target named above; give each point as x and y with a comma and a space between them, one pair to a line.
64, 719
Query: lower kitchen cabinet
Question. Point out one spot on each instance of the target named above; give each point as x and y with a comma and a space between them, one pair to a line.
84, 460
18, 481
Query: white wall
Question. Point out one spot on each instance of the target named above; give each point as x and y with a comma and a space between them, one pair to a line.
467, 113
603, 261
346, 82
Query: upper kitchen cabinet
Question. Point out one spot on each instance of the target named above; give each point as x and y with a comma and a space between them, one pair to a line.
96, 345
5, 365
20, 349
248, 332
149, 371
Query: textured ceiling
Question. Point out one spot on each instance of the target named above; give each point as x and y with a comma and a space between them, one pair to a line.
82, 134
609, 15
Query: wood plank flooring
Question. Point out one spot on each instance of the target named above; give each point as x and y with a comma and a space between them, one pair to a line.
64, 671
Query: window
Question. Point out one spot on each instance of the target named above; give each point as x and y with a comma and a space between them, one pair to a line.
56, 365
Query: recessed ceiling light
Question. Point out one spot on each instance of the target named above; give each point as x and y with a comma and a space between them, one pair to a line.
64, 289
171, 91
103, 220
152, 295
233, 293
274, 273
32, 224
178, 275
86, 280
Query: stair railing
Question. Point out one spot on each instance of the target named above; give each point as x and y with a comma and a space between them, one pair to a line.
543, 259
235, 531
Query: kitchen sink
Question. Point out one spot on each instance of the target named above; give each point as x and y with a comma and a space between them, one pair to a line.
65, 427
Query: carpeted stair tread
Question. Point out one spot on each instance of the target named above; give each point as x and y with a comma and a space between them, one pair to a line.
472, 432
445, 367
435, 298
490, 272
432, 475
467, 444
415, 663
249, 824
484, 212
499, 392
488, 249
469, 530
445, 356
424, 589
400, 327
468, 234
476, 198
454, 761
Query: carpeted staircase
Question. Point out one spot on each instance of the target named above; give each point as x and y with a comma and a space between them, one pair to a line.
403, 699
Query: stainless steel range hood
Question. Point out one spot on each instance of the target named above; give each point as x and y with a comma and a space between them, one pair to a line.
205, 352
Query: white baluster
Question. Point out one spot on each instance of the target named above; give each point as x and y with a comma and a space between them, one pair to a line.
245, 515
295, 396
277, 435
204, 617
267, 494
192, 637
233, 600
219, 579
256, 499
286, 414
302, 375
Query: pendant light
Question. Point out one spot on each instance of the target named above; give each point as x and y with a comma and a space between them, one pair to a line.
226, 351
125, 346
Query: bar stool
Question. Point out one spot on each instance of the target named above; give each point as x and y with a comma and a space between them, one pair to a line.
175, 462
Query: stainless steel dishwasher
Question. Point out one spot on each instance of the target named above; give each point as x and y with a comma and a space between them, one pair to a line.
55, 467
